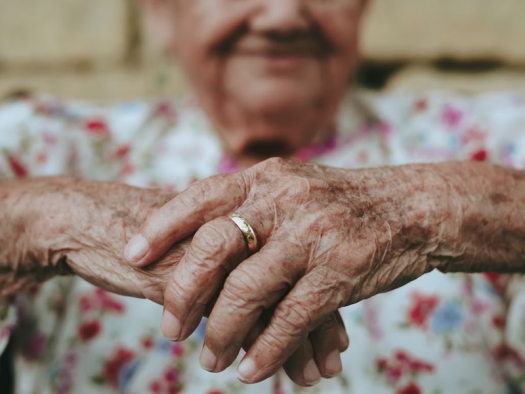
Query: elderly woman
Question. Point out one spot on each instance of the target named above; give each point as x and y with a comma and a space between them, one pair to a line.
272, 250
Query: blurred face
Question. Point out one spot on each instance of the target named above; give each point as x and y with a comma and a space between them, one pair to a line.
269, 73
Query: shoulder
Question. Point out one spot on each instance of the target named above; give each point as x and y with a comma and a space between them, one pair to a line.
450, 126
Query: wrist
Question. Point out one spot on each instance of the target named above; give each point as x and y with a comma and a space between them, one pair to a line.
26, 255
485, 229
426, 213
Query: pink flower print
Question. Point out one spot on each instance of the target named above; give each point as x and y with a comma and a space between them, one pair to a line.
228, 165
479, 155
147, 343
89, 330
166, 110
477, 307
49, 139
473, 135
110, 304
498, 322
393, 373
41, 158
87, 303
65, 376
171, 375
504, 352
317, 149
155, 387
421, 309
402, 364
19, 169
122, 151
118, 360
100, 300
97, 127
127, 169
421, 105
168, 383
451, 117
412, 388
385, 128
177, 349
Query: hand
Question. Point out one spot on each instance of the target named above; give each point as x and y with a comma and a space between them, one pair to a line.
328, 238
81, 227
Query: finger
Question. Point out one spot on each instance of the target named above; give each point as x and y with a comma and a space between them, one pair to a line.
344, 340
326, 347
216, 249
201, 202
256, 285
301, 367
297, 314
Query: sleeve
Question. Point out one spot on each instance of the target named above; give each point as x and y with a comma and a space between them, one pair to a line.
441, 126
42, 136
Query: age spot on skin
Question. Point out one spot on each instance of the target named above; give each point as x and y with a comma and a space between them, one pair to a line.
499, 198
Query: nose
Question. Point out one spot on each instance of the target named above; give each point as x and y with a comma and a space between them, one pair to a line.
280, 16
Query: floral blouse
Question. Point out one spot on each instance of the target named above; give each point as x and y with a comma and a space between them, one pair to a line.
451, 333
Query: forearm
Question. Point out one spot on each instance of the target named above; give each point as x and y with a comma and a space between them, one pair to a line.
485, 231
57, 226
27, 240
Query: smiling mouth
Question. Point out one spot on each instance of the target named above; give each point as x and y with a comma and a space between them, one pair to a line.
275, 46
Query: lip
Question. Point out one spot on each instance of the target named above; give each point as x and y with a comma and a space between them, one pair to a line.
287, 62
284, 51
278, 63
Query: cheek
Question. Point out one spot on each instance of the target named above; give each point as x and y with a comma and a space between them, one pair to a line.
203, 24
200, 26
340, 24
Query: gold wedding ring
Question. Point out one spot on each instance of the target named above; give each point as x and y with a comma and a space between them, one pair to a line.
246, 230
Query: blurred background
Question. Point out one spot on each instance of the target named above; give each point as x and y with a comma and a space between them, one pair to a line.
100, 50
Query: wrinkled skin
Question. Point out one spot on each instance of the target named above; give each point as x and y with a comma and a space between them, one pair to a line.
327, 241
68, 226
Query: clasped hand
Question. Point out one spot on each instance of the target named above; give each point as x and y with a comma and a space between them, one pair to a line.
327, 238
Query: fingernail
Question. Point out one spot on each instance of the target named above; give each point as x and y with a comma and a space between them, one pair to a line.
333, 365
311, 374
136, 248
246, 370
170, 326
208, 360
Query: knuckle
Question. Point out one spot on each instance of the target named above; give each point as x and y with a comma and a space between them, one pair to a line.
275, 163
329, 324
299, 187
241, 287
197, 192
209, 240
275, 341
176, 293
292, 319
218, 333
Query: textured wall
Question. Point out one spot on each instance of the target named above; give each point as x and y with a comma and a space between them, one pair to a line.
460, 29
98, 49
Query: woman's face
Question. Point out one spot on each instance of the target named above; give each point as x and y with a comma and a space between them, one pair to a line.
269, 73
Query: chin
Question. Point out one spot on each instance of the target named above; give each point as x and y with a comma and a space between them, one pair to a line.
281, 99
